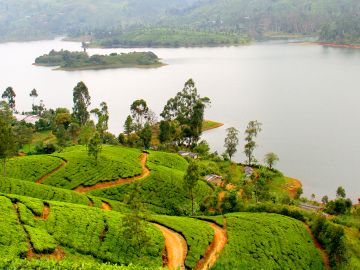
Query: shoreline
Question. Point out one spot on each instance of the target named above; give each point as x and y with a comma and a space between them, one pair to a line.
211, 125
104, 67
333, 45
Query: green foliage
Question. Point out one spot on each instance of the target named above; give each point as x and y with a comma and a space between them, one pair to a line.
41, 240
31, 168
169, 160
81, 99
198, 235
231, 141
267, 240
115, 162
162, 192
87, 230
70, 264
78, 60
95, 147
167, 37
12, 236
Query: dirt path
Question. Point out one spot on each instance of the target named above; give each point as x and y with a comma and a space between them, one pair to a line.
176, 248
106, 206
213, 251
120, 181
323, 254
46, 176
45, 213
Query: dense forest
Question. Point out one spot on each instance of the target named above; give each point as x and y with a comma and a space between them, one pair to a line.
331, 20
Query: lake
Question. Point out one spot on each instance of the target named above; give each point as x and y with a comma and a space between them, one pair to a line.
306, 96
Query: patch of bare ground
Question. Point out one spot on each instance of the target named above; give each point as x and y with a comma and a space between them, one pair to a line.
214, 249
176, 249
323, 253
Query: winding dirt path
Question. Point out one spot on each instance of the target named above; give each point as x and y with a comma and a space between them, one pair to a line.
121, 181
46, 176
214, 249
176, 248
323, 253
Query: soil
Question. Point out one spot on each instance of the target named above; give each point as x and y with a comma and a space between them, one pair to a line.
106, 206
43, 178
323, 253
213, 251
120, 181
176, 249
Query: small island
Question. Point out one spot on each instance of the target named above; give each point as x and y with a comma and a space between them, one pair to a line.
66, 60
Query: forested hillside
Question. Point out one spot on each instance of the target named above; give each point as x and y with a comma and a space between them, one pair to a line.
332, 20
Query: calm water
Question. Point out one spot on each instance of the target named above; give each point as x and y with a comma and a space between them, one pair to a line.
306, 96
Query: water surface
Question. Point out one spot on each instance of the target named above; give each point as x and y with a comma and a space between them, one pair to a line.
306, 96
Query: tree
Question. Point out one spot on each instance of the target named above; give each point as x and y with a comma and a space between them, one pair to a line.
129, 125
146, 136
325, 199
187, 108
231, 141
133, 224
102, 115
191, 179
270, 159
86, 133
23, 133
81, 99
251, 132
85, 46
95, 147
139, 112
34, 95
165, 131
61, 124
340, 192
7, 140
10, 95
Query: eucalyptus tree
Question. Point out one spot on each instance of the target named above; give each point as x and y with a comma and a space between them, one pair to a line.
231, 141
9, 95
7, 138
81, 99
187, 108
251, 132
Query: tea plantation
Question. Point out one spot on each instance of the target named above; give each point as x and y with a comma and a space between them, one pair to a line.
114, 162
88, 231
163, 190
267, 241
31, 168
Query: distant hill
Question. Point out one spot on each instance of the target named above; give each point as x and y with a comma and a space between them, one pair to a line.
333, 20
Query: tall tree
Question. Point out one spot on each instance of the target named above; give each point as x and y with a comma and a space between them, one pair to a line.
129, 125
134, 224
34, 95
251, 132
10, 95
270, 159
187, 107
61, 125
86, 133
81, 99
7, 138
146, 136
191, 179
231, 141
95, 147
102, 115
139, 112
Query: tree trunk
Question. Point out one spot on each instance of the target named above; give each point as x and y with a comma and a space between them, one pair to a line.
4, 171
192, 203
